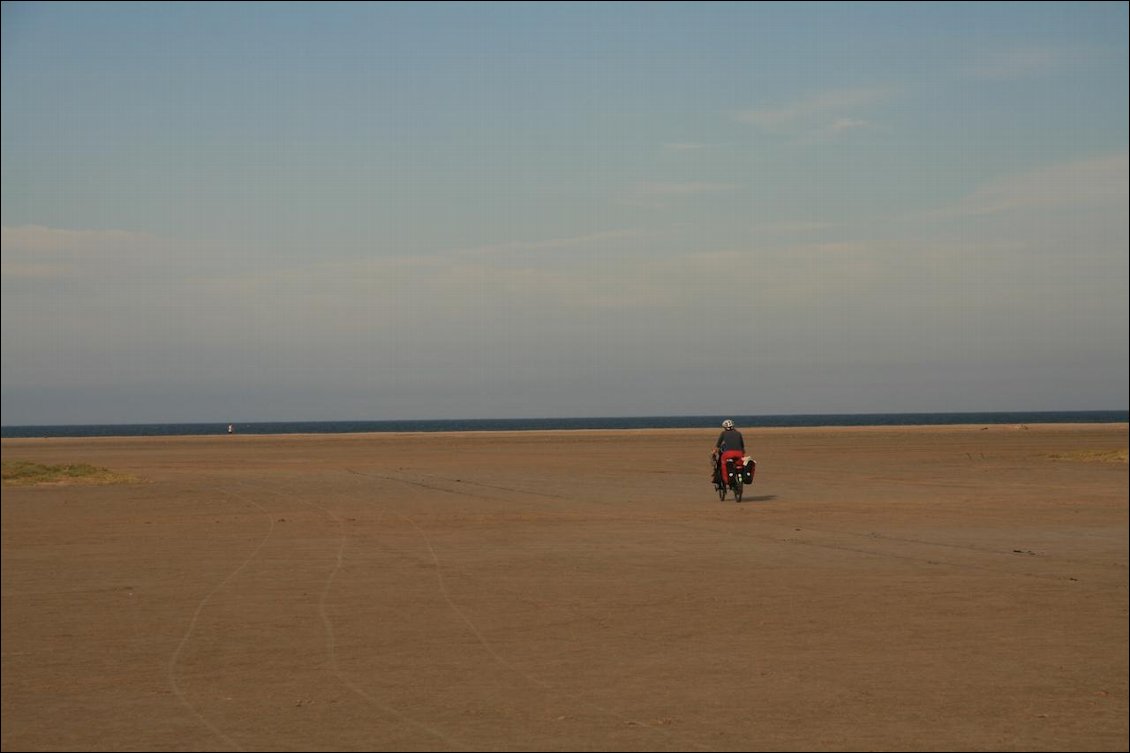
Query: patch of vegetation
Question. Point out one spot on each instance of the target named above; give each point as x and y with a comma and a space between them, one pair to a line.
1094, 456
25, 472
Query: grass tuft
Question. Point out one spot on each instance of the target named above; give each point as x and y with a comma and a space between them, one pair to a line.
24, 473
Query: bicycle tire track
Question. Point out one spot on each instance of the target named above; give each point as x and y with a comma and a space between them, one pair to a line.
327, 623
482, 640
175, 658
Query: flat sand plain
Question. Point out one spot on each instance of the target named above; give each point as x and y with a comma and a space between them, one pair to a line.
896, 588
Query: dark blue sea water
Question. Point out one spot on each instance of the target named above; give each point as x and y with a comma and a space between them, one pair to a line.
535, 424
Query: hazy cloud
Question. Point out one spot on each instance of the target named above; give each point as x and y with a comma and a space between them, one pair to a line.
838, 129
815, 111
35, 251
688, 188
1099, 182
1014, 64
844, 124
656, 194
551, 244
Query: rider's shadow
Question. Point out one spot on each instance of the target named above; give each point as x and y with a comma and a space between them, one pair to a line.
760, 498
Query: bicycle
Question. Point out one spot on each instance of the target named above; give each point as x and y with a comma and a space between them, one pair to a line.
733, 478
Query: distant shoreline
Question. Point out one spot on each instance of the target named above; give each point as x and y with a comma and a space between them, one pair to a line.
598, 423
107, 432
562, 424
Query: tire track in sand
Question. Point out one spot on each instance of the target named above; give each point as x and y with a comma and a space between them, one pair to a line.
175, 658
501, 660
327, 624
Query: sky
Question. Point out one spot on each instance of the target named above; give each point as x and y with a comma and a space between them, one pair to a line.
235, 212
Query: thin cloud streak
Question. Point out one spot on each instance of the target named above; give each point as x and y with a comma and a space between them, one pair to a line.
661, 194
1015, 64
42, 253
38, 252
1096, 182
802, 113
689, 188
551, 244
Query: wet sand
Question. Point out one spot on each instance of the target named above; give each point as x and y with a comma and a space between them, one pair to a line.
881, 588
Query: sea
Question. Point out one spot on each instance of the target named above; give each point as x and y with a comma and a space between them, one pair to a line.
542, 424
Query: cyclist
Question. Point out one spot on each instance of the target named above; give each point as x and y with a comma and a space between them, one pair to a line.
730, 445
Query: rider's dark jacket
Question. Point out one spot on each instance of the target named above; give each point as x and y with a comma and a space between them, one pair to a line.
730, 439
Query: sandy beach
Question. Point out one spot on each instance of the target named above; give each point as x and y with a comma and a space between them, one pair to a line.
881, 588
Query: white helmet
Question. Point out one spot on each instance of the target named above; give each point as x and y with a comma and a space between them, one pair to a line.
727, 424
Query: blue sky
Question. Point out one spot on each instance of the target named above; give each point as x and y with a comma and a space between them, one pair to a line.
258, 212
